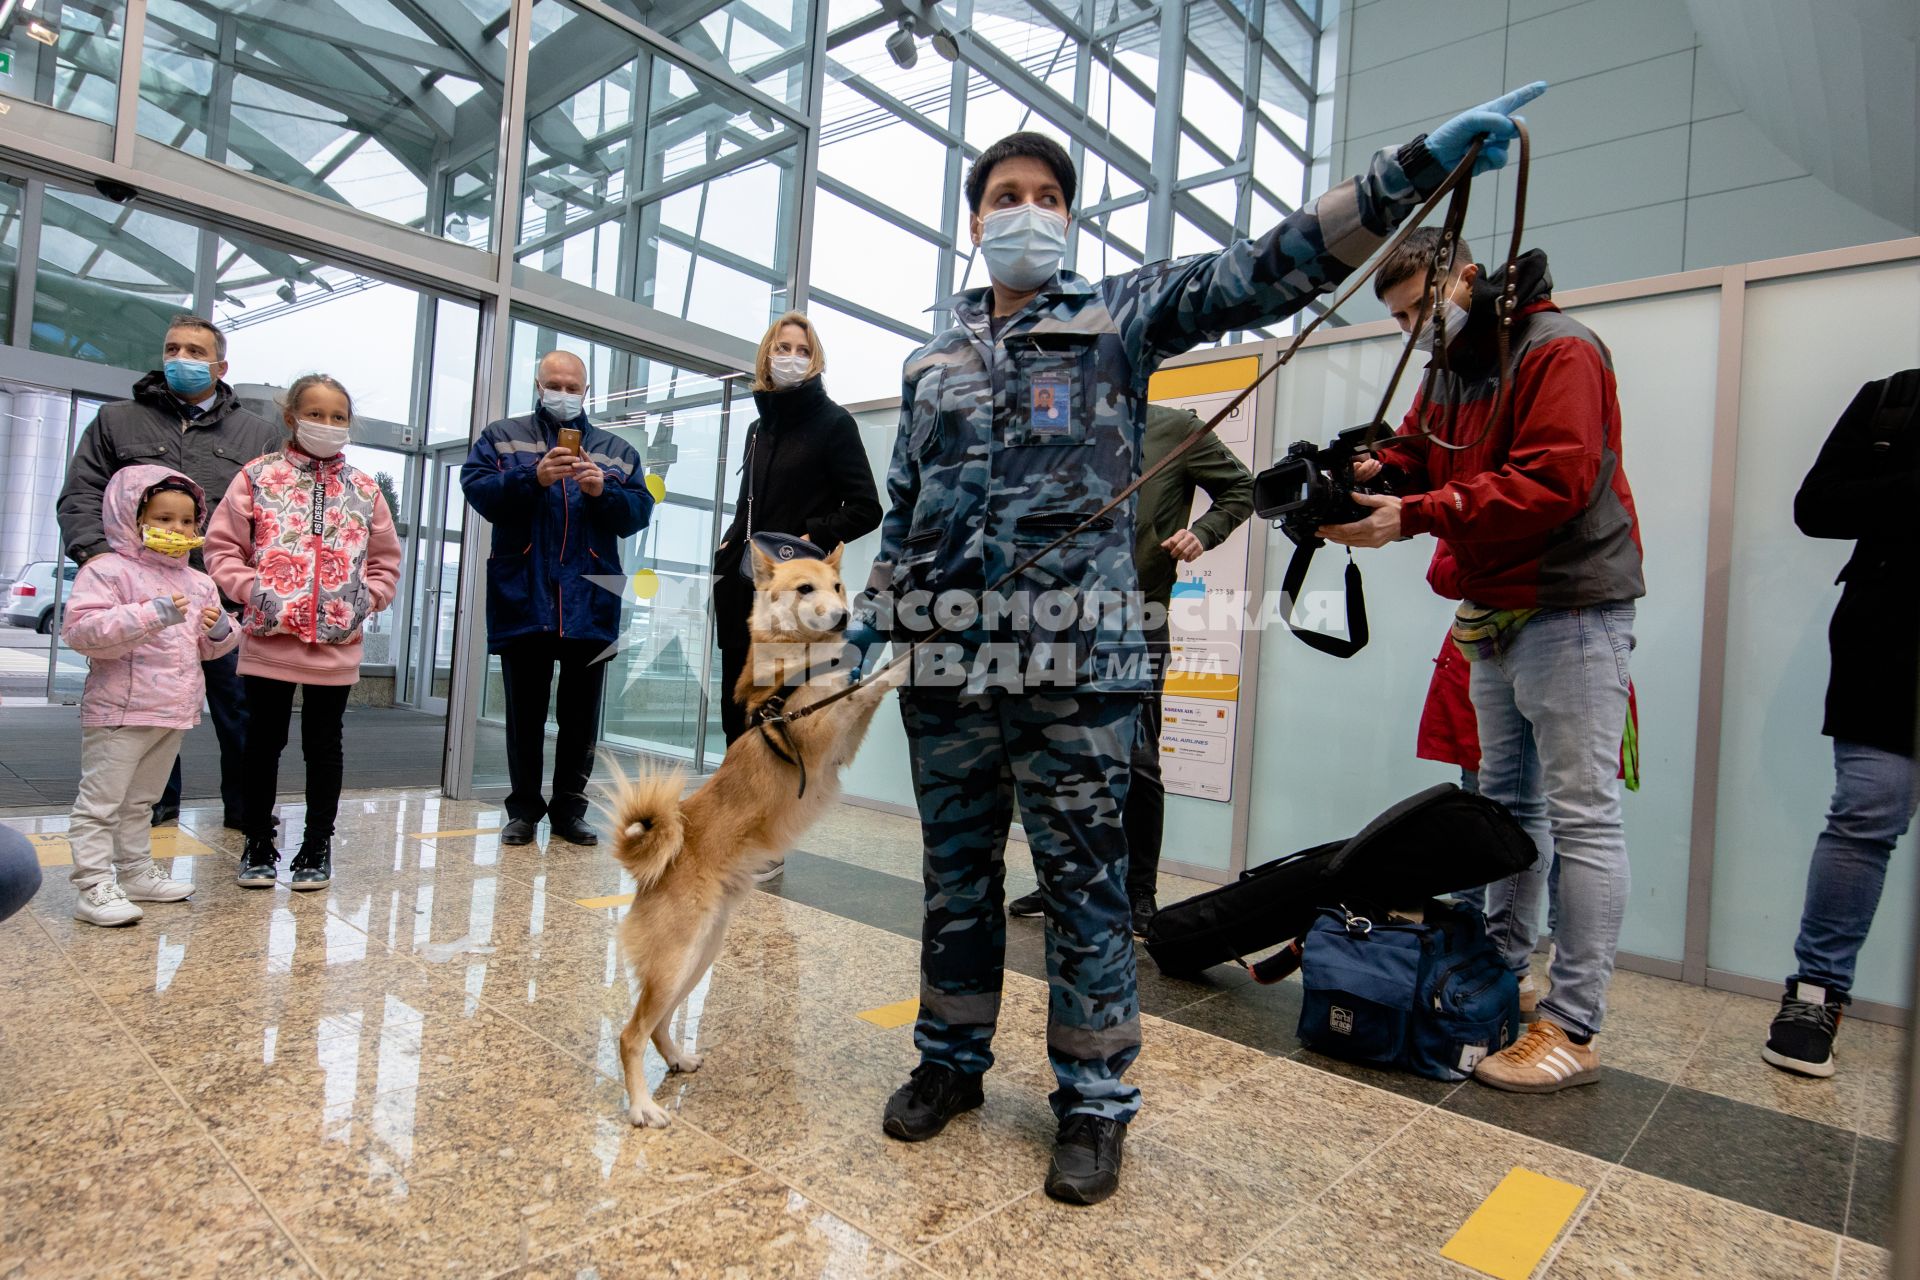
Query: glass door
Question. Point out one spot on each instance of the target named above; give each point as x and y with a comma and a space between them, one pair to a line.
436, 577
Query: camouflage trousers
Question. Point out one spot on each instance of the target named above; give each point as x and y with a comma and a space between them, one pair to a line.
1065, 757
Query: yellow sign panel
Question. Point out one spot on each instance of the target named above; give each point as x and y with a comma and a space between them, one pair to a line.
1203, 379
898, 1014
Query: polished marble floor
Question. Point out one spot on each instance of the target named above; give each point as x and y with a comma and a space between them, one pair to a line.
414, 1073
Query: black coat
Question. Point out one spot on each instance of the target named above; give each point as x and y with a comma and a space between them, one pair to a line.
1866, 485
807, 473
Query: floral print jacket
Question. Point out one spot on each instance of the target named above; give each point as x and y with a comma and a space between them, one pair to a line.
311, 523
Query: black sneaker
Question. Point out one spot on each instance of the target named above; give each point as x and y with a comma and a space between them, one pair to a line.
519, 831
1027, 907
1086, 1159
164, 813
1801, 1038
933, 1095
1144, 910
258, 864
574, 831
312, 867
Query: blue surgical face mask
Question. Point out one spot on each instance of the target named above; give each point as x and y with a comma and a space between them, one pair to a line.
562, 406
1023, 245
188, 377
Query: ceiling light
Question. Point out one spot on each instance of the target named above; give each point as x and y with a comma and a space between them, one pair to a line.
945, 45
38, 30
457, 227
900, 45
285, 291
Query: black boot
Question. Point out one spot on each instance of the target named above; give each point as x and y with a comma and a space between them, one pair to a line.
313, 866
1144, 910
1027, 906
935, 1094
258, 863
573, 831
1086, 1159
519, 831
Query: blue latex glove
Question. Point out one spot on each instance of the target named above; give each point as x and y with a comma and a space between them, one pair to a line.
867, 644
1448, 144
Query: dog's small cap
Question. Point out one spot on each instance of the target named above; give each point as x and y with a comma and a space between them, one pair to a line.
782, 546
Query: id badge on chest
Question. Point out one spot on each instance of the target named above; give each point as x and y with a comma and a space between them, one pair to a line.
1050, 404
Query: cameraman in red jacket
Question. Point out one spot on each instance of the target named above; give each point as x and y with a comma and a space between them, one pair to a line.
1533, 506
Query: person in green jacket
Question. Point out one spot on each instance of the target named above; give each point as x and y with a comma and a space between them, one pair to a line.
1163, 540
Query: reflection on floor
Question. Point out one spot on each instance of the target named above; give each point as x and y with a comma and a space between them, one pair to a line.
414, 1073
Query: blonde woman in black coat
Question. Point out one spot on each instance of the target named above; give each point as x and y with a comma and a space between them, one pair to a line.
805, 474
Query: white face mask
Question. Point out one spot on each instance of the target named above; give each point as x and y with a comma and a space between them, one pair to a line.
789, 371
320, 439
1455, 316
1023, 245
562, 406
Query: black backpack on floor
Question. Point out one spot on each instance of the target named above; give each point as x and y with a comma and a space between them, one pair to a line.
1441, 841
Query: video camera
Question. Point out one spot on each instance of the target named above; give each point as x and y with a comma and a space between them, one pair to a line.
1311, 486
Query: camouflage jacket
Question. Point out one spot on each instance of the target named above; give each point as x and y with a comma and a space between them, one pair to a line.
1008, 440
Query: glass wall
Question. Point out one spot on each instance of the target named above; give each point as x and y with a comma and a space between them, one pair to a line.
109, 275
647, 179
390, 106
66, 54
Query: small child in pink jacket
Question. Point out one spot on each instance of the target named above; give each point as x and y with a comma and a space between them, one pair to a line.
146, 620
305, 542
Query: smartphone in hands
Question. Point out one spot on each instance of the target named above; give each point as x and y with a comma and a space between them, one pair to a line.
570, 440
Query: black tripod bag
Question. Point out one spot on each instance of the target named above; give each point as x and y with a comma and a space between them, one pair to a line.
1441, 841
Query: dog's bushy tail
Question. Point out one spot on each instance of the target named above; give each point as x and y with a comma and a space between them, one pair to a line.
644, 813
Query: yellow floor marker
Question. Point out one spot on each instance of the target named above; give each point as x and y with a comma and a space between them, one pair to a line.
611, 900
897, 1014
1515, 1226
172, 842
54, 850
470, 831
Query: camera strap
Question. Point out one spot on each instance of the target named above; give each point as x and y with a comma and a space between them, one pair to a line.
1455, 185
1290, 586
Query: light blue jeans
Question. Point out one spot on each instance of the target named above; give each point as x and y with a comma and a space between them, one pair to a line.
1873, 802
1552, 709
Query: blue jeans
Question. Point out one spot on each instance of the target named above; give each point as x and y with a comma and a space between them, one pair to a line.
1552, 709
1873, 800
227, 706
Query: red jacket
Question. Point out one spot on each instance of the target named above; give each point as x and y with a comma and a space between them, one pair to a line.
1538, 512
1449, 729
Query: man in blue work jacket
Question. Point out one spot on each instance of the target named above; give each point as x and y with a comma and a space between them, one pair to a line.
1017, 422
558, 516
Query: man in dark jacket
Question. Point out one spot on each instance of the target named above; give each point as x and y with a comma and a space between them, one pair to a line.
182, 415
557, 518
1163, 540
1533, 507
1863, 486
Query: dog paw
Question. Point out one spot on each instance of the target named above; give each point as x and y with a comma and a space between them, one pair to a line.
648, 1114
687, 1063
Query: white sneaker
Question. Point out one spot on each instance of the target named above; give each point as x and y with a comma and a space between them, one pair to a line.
103, 904
151, 884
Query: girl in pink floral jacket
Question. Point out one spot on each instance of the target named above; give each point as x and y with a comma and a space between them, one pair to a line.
305, 542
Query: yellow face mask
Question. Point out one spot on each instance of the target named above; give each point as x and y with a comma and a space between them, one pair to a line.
169, 542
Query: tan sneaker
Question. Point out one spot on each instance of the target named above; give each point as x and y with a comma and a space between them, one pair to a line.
1542, 1061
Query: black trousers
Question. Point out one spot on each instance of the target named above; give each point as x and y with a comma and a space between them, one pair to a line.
269, 714
526, 668
227, 707
732, 603
1144, 818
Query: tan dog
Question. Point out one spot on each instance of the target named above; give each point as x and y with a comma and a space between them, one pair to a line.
693, 860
